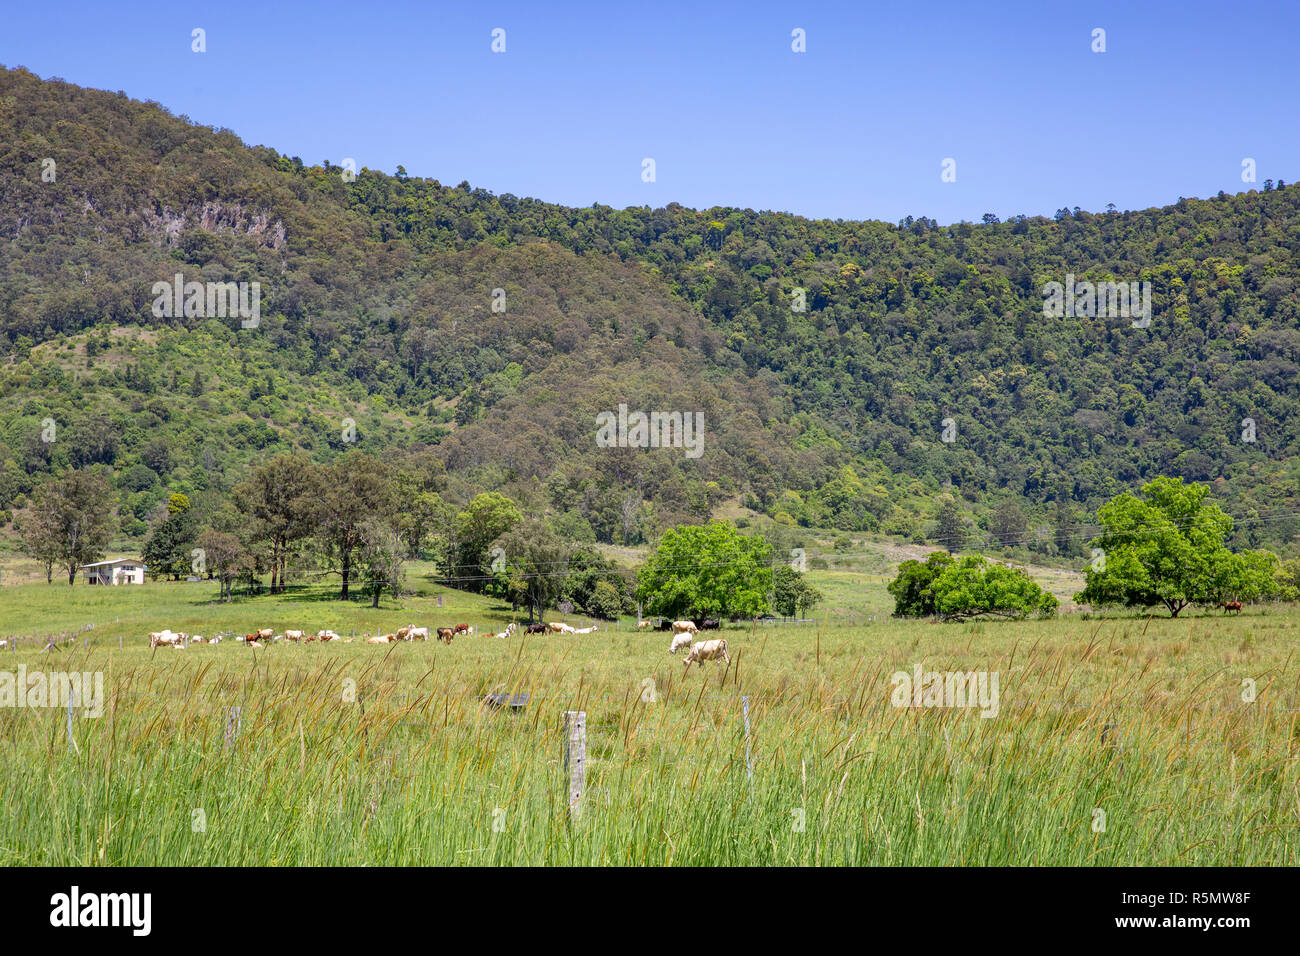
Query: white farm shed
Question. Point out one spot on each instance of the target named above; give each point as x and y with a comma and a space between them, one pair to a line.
117, 571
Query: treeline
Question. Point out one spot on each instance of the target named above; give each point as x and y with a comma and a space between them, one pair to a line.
359, 521
826, 355
1165, 548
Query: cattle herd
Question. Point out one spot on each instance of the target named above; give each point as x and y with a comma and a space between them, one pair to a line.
683, 636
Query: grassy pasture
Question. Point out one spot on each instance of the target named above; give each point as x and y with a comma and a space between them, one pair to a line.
417, 770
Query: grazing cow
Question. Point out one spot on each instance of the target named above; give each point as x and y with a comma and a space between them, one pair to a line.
642, 625
680, 641
264, 634
684, 627
418, 633
167, 637
324, 636
702, 651
709, 624
536, 629
664, 626
404, 633
445, 634
294, 636
559, 627
462, 629
1234, 606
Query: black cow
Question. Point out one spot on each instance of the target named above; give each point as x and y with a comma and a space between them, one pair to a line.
708, 624
536, 629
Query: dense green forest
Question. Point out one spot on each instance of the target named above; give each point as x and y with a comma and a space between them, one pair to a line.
380, 330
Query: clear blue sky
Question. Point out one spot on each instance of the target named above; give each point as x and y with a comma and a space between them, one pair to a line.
855, 128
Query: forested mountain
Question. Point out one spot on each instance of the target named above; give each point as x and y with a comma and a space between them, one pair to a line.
378, 308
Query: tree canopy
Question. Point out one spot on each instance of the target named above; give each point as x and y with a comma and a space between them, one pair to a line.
708, 570
1167, 547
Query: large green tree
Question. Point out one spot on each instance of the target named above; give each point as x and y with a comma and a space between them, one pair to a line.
486, 518
707, 570
913, 588
1167, 548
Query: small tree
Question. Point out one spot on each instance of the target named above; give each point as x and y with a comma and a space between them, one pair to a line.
792, 595
40, 539
72, 521
536, 563
912, 589
971, 587
225, 557
605, 601
381, 556
357, 489
950, 529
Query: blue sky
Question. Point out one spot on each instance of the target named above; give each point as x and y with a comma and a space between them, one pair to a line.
855, 128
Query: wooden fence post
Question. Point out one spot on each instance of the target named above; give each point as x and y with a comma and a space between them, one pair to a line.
232, 724
575, 755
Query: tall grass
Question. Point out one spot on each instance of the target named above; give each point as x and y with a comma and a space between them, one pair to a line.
1144, 722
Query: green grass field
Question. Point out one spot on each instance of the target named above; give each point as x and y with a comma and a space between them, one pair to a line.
1117, 741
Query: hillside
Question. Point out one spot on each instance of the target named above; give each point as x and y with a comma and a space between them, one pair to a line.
377, 307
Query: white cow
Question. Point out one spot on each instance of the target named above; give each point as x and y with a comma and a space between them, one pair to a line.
702, 651
684, 627
588, 630
167, 637
679, 641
